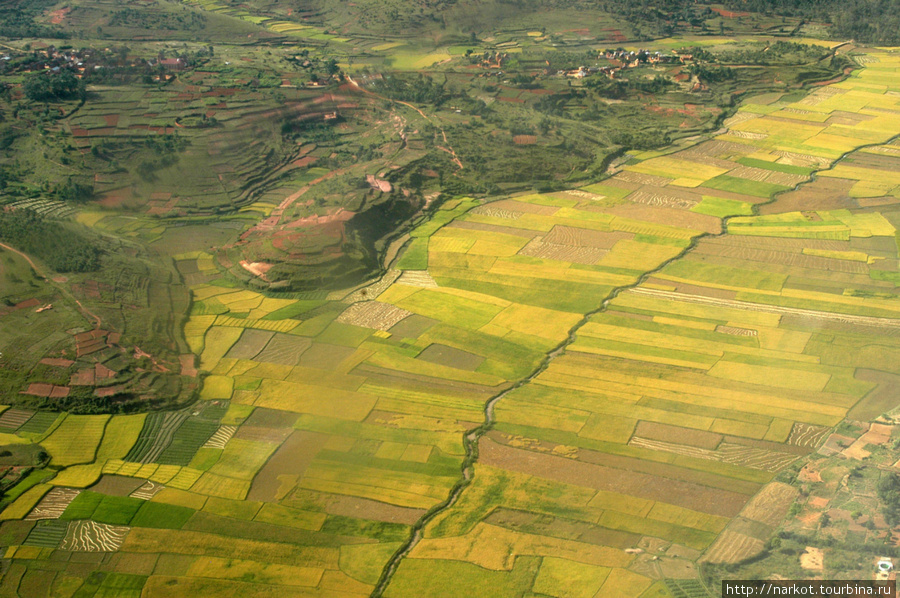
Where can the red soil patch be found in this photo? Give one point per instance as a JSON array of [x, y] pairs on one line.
[[57, 16], [525, 139], [38, 389], [109, 391], [303, 162], [83, 377], [729, 14], [818, 502], [187, 365], [57, 362], [103, 373], [115, 199], [59, 392], [111, 119]]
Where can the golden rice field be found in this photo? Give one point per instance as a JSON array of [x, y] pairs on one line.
[[662, 366]]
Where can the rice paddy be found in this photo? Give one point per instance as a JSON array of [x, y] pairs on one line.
[[326, 428]]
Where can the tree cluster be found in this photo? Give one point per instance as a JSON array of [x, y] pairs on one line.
[[53, 87], [62, 248]]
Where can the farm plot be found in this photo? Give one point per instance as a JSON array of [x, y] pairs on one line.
[[53, 504], [76, 439], [155, 436], [47, 534], [13, 419], [39, 423], [147, 490], [221, 437], [373, 314], [250, 344], [90, 536], [186, 441], [284, 349]]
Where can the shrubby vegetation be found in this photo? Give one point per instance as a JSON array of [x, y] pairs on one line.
[[61, 86], [61, 247]]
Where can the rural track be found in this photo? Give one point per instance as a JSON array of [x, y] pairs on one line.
[[472, 437], [449, 149], [84, 311]]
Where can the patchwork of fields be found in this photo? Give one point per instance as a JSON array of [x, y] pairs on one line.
[[662, 344]]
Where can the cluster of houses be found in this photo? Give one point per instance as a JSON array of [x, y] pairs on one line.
[[52, 59], [625, 59]]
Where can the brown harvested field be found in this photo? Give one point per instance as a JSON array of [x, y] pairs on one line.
[[667, 433], [250, 344], [147, 490], [869, 202], [494, 228], [450, 356], [581, 237], [89, 536], [363, 508], [263, 417], [874, 161], [53, 504], [719, 149], [546, 525], [880, 399], [521, 206], [775, 243], [771, 505], [886, 246], [221, 437], [286, 466], [767, 445], [495, 212], [734, 331], [325, 356], [524, 139], [750, 173], [824, 193], [749, 527], [38, 389], [115, 485], [732, 547], [284, 349], [852, 118], [563, 253], [57, 362], [261, 434], [416, 278], [783, 258], [692, 289], [413, 326], [669, 216], [735, 454], [373, 314], [627, 176], [599, 477], [653, 196], [431, 385], [786, 179], [752, 199]]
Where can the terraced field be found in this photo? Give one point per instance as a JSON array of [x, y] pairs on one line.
[[566, 394]]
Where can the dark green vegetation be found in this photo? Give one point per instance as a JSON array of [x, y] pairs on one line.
[[63, 248]]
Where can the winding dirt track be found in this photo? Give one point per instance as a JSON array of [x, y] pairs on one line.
[[84, 311], [448, 149]]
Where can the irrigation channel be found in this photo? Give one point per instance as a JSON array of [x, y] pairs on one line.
[[473, 436]]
